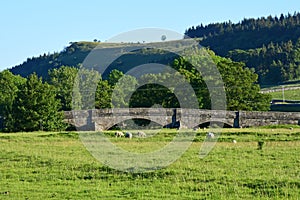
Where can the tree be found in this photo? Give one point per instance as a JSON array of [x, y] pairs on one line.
[[156, 91], [247, 34], [84, 90], [36, 108], [63, 80], [122, 88], [274, 64], [103, 95], [74, 88], [9, 86], [242, 91], [114, 77]]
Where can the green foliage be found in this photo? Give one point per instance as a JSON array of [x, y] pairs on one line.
[[103, 95], [71, 89], [114, 76], [36, 108], [242, 92], [194, 77], [84, 90], [260, 144], [268, 45], [247, 34], [154, 91], [241, 89], [120, 90], [274, 63], [9, 86], [123, 86], [63, 80]]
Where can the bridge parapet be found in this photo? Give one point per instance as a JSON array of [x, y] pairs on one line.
[[187, 118], [257, 118]]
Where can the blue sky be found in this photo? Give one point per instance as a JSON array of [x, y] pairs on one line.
[[33, 27]]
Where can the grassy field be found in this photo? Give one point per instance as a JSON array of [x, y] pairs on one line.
[[43, 165], [288, 95], [291, 92]]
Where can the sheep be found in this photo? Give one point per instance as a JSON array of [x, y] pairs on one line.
[[128, 135], [210, 135], [234, 141], [141, 134], [119, 134]]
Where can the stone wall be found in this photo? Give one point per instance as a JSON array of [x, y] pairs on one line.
[[188, 118], [254, 118]]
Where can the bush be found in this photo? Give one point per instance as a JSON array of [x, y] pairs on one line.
[[260, 144]]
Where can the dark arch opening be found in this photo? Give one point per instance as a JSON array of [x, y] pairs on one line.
[[136, 124], [214, 124]]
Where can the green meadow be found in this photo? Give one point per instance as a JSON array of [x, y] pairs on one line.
[[56, 165], [288, 92], [287, 95]]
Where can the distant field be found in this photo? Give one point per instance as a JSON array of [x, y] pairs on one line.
[[57, 166], [288, 92]]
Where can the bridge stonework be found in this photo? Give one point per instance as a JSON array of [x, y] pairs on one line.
[[103, 119], [254, 118]]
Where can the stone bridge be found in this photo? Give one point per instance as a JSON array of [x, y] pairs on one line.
[[103, 119]]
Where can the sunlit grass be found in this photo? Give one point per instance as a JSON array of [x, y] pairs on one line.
[[57, 166], [287, 95]]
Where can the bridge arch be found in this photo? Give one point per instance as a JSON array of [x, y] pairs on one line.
[[136, 123], [105, 124], [221, 124]]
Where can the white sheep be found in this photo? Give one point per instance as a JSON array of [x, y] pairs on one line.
[[210, 135], [119, 134], [234, 141], [141, 134]]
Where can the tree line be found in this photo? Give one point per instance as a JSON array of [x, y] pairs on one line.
[[275, 63], [30, 104], [268, 45], [247, 34]]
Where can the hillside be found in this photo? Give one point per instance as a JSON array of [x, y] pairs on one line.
[[274, 63], [268, 45], [76, 52], [72, 55], [247, 34]]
